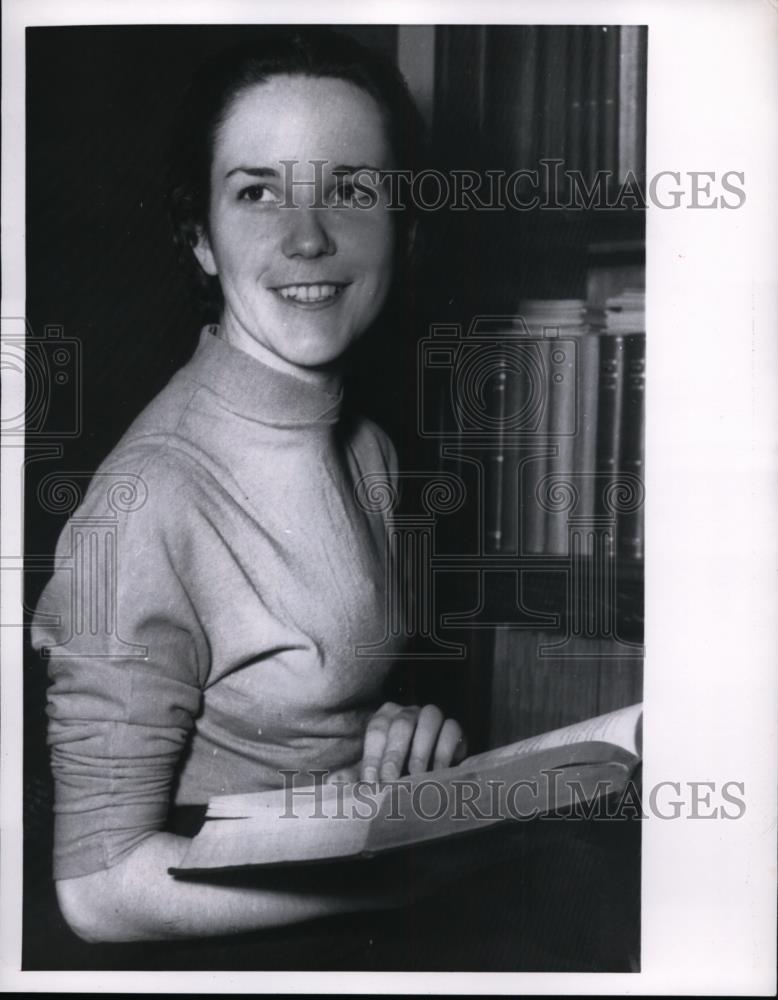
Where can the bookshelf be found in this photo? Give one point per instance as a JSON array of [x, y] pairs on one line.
[[552, 613]]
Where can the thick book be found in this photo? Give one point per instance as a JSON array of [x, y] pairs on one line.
[[585, 763], [631, 537], [535, 457], [494, 459], [576, 99], [609, 135], [610, 403], [526, 135], [585, 447], [563, 388], [553, 102], [593, 90], [632, 102], [562, 494], [550, 482]]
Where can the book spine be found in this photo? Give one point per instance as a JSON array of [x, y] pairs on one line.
[[554, 101], [585, 448], [576, 99], [514, 449], [631, 535], [494, 462], [526, 138], [511, 502], [534, 463], [632, 102], [562, 415], [592, 116], [609, 150], [641, 104], [609, 408]]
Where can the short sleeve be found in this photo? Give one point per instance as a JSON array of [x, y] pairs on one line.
[[126, 664]]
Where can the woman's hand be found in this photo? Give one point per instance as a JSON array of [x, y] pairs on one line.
[[403, 739]]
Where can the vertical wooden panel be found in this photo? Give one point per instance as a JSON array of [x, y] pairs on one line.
[[533, 693]]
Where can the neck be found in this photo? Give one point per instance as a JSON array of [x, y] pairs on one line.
[[328, 378]]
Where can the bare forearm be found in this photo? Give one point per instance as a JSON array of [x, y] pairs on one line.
[[137, 900]]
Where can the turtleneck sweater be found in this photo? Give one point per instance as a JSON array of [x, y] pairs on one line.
[[243, 575]]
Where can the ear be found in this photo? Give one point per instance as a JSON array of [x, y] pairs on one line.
[[201, 248]]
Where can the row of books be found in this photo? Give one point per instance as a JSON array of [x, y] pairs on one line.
[[566, 406], [577, 94]]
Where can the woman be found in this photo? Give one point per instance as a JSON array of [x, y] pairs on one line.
[[246, 574]]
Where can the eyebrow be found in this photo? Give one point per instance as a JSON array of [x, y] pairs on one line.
[[342, 168], [346, 168], [252, 171]]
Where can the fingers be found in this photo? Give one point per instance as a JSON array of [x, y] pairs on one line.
[[422, 737], [428, 725], [398, 743], [449, 740], [375, 740], [461, 751]]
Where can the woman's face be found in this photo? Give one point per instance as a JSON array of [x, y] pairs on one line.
[[303, 280]]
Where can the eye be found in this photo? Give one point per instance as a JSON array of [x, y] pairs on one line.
[[342, 192], [258, 193], [347, 192]]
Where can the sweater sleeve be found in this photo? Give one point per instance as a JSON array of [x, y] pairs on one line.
[[126, 665]]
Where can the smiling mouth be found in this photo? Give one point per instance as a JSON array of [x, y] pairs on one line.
[[311, 294]]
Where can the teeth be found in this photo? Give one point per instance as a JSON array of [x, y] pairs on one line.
[[309, 293]]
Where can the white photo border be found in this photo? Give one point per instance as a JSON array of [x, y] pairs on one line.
[[709, 887]]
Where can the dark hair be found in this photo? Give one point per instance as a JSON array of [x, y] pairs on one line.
[[305, 51]]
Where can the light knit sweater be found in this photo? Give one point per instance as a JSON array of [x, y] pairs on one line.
[[246, 576]]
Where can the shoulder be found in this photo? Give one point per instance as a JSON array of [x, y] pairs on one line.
[[140, 488], [160, 420], [155, 466]]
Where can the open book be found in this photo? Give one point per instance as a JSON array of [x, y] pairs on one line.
[[552, 772]]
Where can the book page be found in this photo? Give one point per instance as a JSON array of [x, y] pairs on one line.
[[524, 786], [622, 728], [329, 801], [333, 822]]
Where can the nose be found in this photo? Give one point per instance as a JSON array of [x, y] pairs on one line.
[[307, 234]]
